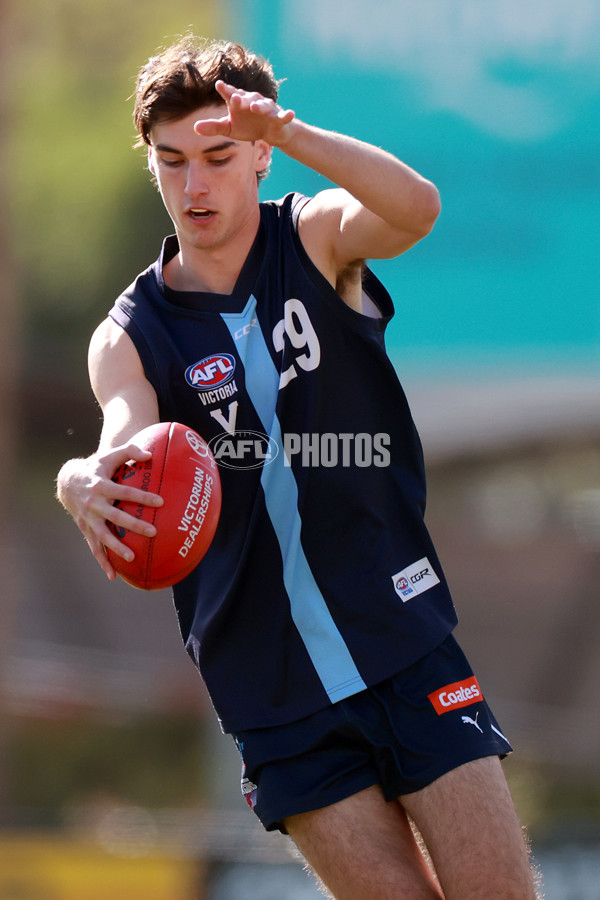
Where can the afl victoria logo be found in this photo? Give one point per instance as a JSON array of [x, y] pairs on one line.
[[211, 372]]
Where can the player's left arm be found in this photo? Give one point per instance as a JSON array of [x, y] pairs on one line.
[[381, 206]]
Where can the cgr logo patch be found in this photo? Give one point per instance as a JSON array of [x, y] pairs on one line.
[[456, 695], [415, 579], [211, 372]]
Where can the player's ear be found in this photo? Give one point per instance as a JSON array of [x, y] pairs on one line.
[[263, 155], [151, 162]]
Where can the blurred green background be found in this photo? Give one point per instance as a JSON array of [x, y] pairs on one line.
[[107, 738]]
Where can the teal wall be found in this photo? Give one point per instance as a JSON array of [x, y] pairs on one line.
[[498, 102]]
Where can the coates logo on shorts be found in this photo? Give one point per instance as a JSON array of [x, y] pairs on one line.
[[456, 695], [212, 372], [243, 449]]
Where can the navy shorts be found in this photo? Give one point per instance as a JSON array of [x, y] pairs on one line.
[[401, 734]]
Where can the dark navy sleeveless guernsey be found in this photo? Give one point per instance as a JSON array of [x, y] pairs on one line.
[[322, 578]]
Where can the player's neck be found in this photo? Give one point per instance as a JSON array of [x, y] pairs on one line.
[[213, 269]]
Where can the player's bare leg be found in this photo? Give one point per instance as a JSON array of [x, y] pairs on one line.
[[364, 849], [471, 830]]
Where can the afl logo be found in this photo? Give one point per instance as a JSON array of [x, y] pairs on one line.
[[403, 588], [211, 372]]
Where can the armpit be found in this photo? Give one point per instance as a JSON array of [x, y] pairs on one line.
[[349, 285]]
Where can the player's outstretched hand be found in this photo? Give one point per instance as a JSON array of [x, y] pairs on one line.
[[86, 490], [250, 117]]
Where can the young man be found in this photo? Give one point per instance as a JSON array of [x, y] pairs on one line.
[[320, 618]]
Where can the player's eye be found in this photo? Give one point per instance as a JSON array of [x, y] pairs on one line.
[[171, 163]]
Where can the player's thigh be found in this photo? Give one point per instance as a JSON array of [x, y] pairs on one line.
[[363, 848], [470, 827]]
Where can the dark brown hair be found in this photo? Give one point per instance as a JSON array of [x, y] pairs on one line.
[[182, 79]]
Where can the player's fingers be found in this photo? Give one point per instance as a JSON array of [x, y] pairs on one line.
[[93, 516], [224, 90], [126, 494], [127, 522], [236, 96], [101, 558], [286, 116], [116, 457], [96, 529], [212, 127], [262, 106], [97, 504], [110, 541]]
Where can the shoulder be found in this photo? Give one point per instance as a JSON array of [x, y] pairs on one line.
[[109, 338], [325, 207], [285, 210], [147, 285], [112, 354], [320, 222]]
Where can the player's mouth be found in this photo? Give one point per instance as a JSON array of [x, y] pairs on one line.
[[199, 213]]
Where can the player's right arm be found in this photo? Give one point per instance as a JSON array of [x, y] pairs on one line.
[[128, 402]]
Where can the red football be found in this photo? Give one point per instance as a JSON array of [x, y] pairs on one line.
[[183, 471]]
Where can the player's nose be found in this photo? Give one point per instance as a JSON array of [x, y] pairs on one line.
[[196, 184]]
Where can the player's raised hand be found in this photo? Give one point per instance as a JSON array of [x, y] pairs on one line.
[[86, 490], [250, 117]]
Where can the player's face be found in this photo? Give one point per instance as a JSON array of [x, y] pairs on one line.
[[208, 184]]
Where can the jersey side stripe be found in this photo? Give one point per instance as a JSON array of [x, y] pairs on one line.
[[325, 645]]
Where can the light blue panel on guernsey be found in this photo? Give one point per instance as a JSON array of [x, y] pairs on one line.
[[325, 645]]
